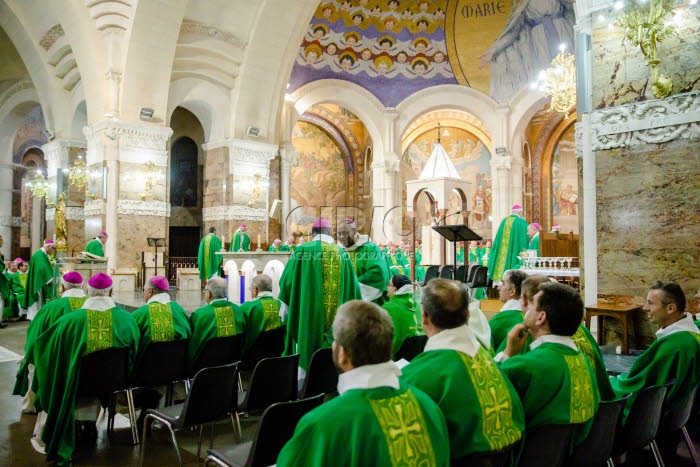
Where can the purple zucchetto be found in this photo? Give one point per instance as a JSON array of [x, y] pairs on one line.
[[537, 226], [102, 234], [160, 282], [100, 281], [516, 207], [19, 261], [73, 277], [322, 223], [48, 242]]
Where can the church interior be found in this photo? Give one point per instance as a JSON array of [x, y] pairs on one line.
[[154, 120]]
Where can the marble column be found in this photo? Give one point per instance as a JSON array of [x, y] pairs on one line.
[[500, 167], [288, 159], [6, 218]]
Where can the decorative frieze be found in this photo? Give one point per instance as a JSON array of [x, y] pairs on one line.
[[94, 207], [56, 155], [14, 89], [137, 143], [131, 207], [250, 158], [578, 138], [647, 122], [218, 213], [192, 27], [51, 36]]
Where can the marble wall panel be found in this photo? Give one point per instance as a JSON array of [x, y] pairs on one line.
[[216, 177], [75, 233], [185, 217], [620, 74], [133, 234], [274, 227]]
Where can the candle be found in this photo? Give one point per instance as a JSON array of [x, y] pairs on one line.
[[258, 240], [222, 243]]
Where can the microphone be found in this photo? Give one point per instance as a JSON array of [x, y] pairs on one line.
[[72, 253], [448, 215]]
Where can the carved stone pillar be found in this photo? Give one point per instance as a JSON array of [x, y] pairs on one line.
[[500, 167], [7, 221], [288, 160], [386, 217]]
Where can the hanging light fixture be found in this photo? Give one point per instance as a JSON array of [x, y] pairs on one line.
[[79, 176], [39, 186], [559, 82]]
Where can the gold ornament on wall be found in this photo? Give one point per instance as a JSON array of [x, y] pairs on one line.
[[559, 82], [151, 175], [645, 26], [79, 175], [39, 186], [257, 190]]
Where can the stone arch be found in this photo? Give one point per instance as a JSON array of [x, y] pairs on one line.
[[209, 103], [79, 122], [524, 106], [545, 152]]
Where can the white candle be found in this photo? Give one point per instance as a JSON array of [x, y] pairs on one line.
[[258, 240]]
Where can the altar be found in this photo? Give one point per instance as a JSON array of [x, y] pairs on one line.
[[259, 258], [247, 264], [87, 267]]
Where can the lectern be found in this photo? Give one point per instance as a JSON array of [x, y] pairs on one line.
[[456, 233], [156, 242]]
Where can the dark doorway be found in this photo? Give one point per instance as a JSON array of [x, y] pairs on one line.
[[184, 241]]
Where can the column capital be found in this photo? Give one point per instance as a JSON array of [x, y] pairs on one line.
[[138, 143], [501, 163], [56, 154], [288, 154], [249, 157]]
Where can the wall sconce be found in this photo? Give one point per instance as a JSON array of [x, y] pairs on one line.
[[645, 26], [39, 186], [151, 175], [559, 82]]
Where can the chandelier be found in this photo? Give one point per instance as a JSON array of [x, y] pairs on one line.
[[39, 186], [78, 175], [559, 82]]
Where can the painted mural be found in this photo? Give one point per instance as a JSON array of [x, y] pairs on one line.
[[392, 48], [319, 180], [565, 184], [29, 134], [472, 160]]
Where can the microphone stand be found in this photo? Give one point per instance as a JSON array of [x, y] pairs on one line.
[[72, 253]]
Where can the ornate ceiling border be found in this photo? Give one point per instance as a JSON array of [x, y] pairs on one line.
[[132, 207]]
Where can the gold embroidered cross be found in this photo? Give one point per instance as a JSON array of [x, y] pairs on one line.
[[404, 431], [496, 408]]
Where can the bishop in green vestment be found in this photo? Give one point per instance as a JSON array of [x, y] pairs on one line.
[[14, 292], [376, 419], [318, 278], [57, 354], [240, 241], [397, 261], [403, 311], [554, 379], [510, 240], [368, 260], [96, 245], [160, 319], [72, 298], [219, 318], [207, 260], [455, 368], [288, 245], [420, 269], [40, 286], [276, 245], [262, 313], [674, 355], [533, 231]]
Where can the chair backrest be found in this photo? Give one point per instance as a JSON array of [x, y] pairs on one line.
[[322, 377], [103, 372], [277, 427], [213, 395], [677, 418], [472, 270], [643, 419], [273, 380], [411, 347], [268, 344], [431, 273], [546, 445], [446, 271], [461, 274], [219, 351], [501, 458], [598, 445], [480, 278], [162, 363]]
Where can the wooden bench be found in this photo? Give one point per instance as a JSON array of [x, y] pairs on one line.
[[623, 311]]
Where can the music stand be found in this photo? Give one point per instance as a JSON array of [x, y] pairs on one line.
[[156, 242], [454, 234]]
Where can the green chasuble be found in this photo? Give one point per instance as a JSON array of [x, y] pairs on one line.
[[207, 259], [697, 323], [510, 240], [587, 344], [39, 279], [501, 324], [493, 418], [285, 247], [398, 264], [371, 269], [676, 356], [240, 241], [15, 293], [420, 270], [220, 318], [380, 426], [402, 309], [94, 246], [5, 289], [159, 322], [318, 278], [460, 255], [57, 355], [272, 248], [535, 244], [262, 314], [47, 316], [556, 386], [473, 255]]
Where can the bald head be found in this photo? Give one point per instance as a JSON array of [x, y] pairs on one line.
[[446, 303]]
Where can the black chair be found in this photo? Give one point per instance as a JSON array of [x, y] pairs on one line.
[[276, 428], [461, 274], [480, 278], [268, 344], [446, 271], [322, 377], [274, 380], [596, 448], [211, 397], [103, 373], [162, 364], [431, 272], [642, 423], [676, 420], [219, 351], [472, 270], [547, 445], [411, 347], [501, 458]]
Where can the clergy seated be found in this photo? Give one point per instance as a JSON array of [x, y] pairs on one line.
[[262, 313], [376, 420], [482, 409], [72, 298], [674, 355], [402, 309], [219, 318], [369, 261], [554, 379], [511, 312], [57, 354]]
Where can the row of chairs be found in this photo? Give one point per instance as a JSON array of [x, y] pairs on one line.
[[474, 276]]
